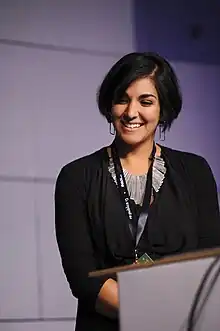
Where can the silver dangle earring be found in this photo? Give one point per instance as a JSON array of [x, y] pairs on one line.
[[162, 135], [111, 129]]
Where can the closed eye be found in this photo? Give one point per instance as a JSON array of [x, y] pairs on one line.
[[146, 103], [121, 101]]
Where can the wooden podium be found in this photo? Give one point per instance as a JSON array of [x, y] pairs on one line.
[[159, 296]]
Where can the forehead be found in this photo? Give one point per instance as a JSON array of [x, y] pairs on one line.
[[142, 86]]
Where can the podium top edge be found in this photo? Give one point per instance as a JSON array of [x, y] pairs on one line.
[[184, 257]]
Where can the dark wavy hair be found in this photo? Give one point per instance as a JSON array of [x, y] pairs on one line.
[[134, 66]]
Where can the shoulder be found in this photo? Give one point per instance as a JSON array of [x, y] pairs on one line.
[[191, 160], [83, 166], [87, 161], [196, 166]]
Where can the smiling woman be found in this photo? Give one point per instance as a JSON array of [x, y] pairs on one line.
[[136, 114], [134, 200]]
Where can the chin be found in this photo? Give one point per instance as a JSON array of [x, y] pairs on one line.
[[132, 141]]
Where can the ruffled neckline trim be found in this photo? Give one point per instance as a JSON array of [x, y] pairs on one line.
[[159, 172]]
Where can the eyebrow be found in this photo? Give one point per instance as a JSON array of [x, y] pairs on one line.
[[147, 95], [143, 96]]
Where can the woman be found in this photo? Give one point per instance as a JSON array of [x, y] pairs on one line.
[[134, 198]]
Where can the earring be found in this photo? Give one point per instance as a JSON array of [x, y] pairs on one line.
[[111, 129], [162, 135]]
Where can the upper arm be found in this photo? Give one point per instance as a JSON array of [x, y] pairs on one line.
[[207, 204], [73, 236]]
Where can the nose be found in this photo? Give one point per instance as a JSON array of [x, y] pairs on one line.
[[131, 111]]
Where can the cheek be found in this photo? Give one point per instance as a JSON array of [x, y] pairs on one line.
[[151, 115], [117, 112]]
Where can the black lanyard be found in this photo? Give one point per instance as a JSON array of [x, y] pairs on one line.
[[136, 231]]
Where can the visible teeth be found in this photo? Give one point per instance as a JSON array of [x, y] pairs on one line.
[[132, 126]]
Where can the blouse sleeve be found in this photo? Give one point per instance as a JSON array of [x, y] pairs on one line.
[[73, 235], [207, 204]]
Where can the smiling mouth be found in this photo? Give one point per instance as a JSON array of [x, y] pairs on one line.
[[132, 125]]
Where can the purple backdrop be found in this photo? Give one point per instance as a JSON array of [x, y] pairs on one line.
[[181, 30], [187, 34]]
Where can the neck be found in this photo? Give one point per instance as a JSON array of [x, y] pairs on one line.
[[135, 159], [139, 151]]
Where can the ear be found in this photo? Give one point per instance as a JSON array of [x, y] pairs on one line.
[[162, 119], [162, 126], [109, 117]]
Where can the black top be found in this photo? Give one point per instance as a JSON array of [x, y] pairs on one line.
[[92, 226]]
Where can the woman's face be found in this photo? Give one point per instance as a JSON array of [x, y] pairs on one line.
[[136, 115]]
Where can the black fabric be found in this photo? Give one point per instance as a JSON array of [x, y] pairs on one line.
[[92, 226]]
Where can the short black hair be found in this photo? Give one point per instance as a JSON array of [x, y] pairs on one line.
[[134, 66]]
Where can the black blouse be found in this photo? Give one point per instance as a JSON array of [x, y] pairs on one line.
[[92, 226]]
